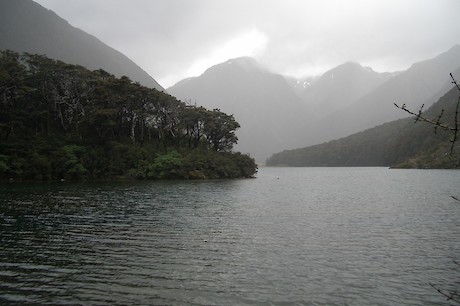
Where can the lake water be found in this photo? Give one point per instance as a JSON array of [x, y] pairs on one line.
[[292, 236]]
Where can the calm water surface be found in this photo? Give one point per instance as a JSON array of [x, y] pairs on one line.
[[293, 236]]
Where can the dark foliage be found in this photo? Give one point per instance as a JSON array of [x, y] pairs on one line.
[[61, 121]]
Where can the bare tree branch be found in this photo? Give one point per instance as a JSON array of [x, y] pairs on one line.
[[454, 138], [454, 81], [437, 123], [451, 295], [422, 118]]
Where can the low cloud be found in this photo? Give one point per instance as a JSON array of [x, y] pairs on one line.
[[174, 39]]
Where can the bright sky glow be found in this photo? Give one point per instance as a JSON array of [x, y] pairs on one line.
[[175, 39], [249, 43]]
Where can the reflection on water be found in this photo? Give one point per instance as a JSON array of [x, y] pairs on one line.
[[291, 236]]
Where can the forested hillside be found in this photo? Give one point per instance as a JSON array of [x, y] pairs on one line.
[[62, 121], [399, 143]]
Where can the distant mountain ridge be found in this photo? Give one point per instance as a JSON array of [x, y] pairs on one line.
[[423, 83], [26, 26], [399, 143], [346, 99], [341, 86], [269, 111]]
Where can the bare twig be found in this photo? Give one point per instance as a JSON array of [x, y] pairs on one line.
[[422, 118], [419, 113], [454, 137], [454, 81], [437, 123], [451, 295]]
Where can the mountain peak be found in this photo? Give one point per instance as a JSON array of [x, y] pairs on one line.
[[244, 88], [244, 61], [341, 86], [352, 64], [236, 66], [349, 67], [347, 72]]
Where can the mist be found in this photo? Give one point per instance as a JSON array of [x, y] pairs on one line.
[[178, 152], [173, 40]]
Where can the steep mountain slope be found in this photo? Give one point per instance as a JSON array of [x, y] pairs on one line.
[[422, 83], [25, 26], [399, 142], [271, 114], [341, 86]]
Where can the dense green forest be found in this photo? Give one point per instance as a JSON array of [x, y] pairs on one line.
[[61, 121], [398, 143]]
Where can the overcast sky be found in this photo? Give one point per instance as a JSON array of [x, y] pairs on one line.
[[175, 39]]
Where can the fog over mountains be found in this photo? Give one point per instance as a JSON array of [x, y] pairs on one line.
[[423, 83], [399, 143], [269, 111], [277, 113], [341, 86], [26, 26]]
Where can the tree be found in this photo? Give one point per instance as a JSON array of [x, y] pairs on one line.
[[194, 120], [13, 89], [63, 121], [220, 131]]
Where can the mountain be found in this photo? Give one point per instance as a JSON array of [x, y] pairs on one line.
[[25, 26], [422, 83], [398, 143], [269, 111], [341, 86], [346, 99]]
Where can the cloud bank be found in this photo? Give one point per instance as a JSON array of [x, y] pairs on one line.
[[175, 39]]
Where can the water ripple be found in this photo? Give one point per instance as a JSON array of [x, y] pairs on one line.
[[290, 237]]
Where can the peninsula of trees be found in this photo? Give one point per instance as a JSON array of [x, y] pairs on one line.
[[61, 121]]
